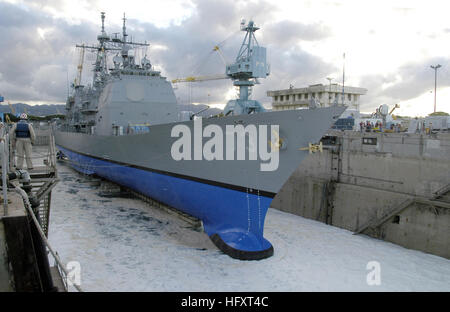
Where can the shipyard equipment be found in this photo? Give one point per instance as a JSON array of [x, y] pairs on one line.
[[249, 65]]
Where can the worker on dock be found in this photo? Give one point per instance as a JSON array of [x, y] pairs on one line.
[[23, 135]]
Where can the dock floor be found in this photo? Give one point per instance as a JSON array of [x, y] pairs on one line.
[[123, 244]]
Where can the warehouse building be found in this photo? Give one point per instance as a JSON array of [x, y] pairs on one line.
[[321, 95]]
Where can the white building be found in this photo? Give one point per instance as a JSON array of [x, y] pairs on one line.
[[324, 95]]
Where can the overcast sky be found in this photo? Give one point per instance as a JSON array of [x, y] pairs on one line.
[[389, 46]]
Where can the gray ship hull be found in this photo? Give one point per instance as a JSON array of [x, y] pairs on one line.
[[231, 197]]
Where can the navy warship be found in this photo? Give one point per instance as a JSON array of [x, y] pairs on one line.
[[224, 170]]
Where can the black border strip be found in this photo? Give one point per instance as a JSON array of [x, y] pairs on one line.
[[181, 176]]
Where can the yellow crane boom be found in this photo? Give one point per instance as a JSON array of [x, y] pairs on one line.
[[392, 110], [205, 78], [13, 111], [199, 78], [217, 49]]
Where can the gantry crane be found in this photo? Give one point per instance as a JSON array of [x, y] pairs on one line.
[[249, 65]]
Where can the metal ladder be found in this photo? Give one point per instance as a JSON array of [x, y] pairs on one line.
[[376, 222]]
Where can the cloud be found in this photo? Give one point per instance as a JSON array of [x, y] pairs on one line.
[[33, 66], [190, 49], [408, 82], [287, 33], [38, 48]]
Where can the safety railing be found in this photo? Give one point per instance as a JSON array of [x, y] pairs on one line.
[[60, 265]]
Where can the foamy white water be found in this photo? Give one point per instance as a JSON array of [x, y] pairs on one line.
[[123, 244]]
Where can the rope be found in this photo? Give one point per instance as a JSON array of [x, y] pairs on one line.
[[41, 232]]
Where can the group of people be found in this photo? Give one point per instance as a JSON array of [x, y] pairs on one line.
[[369, 126], [22, 137], [422, 128]]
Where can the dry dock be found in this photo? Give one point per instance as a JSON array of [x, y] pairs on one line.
[[392, 186], [125, 244]]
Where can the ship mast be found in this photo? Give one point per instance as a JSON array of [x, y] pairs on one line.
[[105, 44], [124, 29]]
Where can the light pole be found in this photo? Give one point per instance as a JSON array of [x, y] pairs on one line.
[[436, 67], [329, 91]]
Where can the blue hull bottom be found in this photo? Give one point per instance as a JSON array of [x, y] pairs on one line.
[[233, 219]]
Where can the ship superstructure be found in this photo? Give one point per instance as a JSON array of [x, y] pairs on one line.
[[117, 101]]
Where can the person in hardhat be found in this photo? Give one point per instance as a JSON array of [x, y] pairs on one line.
[[24, 136]]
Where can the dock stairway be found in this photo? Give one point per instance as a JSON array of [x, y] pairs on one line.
[[25, 219], [44, 176], [438, 198]]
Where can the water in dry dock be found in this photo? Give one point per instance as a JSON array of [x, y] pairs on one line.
[[123, 244]]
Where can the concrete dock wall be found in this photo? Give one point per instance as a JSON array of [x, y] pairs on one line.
[[5, 284], [365, 176]]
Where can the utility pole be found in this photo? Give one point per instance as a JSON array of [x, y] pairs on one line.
[[343, 80], [329, 91], [436, 67]]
